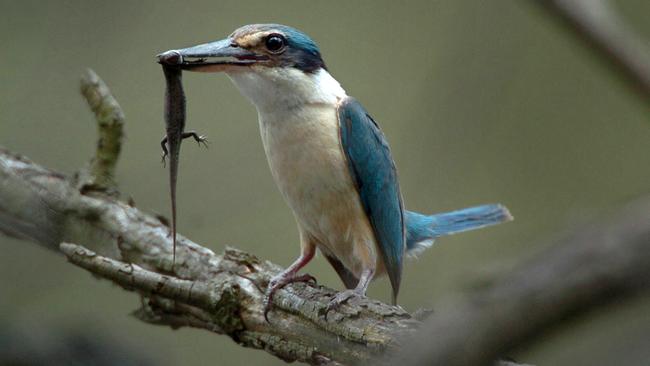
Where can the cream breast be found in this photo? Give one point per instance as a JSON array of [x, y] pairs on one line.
[[310, 169], [300, 131]]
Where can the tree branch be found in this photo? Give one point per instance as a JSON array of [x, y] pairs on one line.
[[100, 173], [219, 293], [217, 304], [601, 27]]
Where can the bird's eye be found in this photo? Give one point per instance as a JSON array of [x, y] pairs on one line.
[[275, 43]]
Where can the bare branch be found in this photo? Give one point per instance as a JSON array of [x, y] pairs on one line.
[[100, 174], [230, 302], [219, 293], [133, 277], [600, 26]]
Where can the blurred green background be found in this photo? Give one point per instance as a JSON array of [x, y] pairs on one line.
[[481, 102]]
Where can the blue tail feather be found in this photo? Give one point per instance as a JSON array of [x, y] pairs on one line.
[[421, 230]]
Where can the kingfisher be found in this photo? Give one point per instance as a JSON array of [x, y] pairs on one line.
[[329, 159]]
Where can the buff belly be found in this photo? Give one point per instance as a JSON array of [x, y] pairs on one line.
[[310, 169]]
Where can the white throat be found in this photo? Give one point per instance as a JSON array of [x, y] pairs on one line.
[[273, 89]]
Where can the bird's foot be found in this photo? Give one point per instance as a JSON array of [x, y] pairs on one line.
[[342, 297], [279, 282]]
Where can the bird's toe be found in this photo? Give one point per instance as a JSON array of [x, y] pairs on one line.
[[279, 282], [341, 298]]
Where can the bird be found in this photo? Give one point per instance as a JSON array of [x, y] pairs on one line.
[[330, 160]]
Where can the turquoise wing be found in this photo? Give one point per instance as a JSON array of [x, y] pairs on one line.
[[373, 171]]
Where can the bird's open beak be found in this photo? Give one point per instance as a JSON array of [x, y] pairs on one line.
[[217, 56]]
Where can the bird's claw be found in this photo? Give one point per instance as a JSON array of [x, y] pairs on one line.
[[305, 278], [279, 282]]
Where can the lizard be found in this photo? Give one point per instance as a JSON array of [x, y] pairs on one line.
[[174, 113]]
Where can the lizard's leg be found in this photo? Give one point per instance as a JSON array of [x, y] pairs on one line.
[[200, 139], [163, 144]]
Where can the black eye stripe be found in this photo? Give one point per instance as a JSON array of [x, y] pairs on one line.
[[275, 42]]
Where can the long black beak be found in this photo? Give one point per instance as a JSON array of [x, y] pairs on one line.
[[211, 57]]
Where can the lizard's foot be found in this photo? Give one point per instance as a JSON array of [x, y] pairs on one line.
[[279, 282], [200, 139]]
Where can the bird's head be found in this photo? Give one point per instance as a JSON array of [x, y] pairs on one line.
[[270, 63]]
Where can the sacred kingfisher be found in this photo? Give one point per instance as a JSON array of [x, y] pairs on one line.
[[329, 159]]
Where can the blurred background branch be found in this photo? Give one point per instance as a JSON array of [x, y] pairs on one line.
[[597, 264], [600, 26], [592, 266]]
